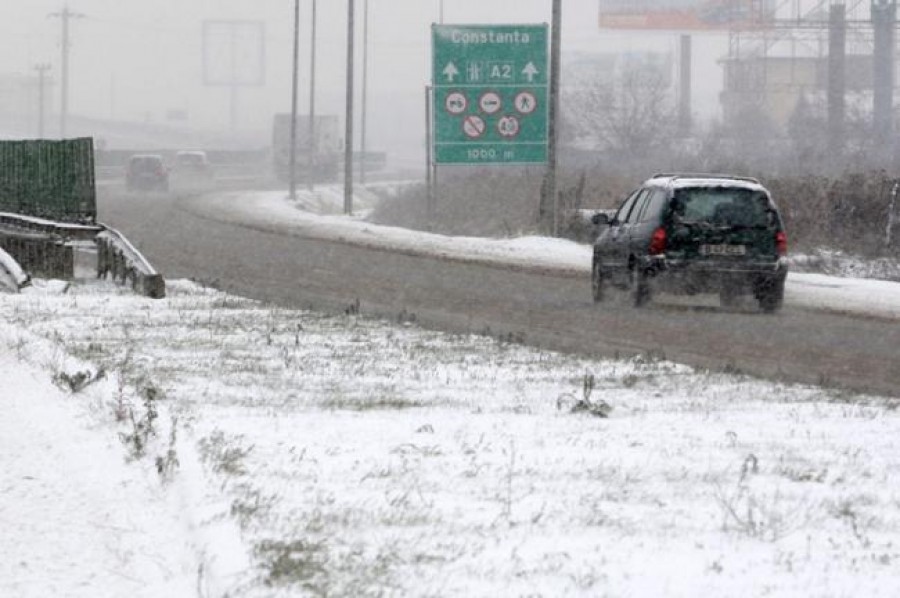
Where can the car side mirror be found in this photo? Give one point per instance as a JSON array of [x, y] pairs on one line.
[[600, 218]]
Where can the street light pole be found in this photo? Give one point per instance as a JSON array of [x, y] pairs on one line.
[[365, 89], [348, 133], [549, 196], [294, 76], [312, 141]]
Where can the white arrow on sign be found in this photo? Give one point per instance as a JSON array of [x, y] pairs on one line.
[[450, 71], [530, 71]]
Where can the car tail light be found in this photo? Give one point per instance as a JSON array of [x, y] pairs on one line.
[[658, 241], [781, 243]]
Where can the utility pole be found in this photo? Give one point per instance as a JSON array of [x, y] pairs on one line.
[[64, 17], [294, 76], [884, 19], [549, 199], [365, 89], [42, 102], [348, 133], [684, 84], [312, 142], [837, 79]]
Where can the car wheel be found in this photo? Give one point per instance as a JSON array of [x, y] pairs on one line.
[[597, 282], [770, 295], [640, 286]]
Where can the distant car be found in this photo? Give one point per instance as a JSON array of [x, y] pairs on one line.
[[192, 170], [146, 172], [193, 163], [687, 234]]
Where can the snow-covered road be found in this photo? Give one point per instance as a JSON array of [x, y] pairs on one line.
[[313, 216]]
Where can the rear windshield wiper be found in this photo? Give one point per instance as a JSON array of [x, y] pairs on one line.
[[702, 224], [748, 227]]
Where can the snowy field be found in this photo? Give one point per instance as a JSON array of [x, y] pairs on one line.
[[208, 445]]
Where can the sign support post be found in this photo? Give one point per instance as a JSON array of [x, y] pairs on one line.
[[429, 181]]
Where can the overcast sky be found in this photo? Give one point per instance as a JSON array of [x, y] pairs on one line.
[[141, 60]]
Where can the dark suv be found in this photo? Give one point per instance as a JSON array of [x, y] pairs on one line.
[[694, 233], [146, 172]]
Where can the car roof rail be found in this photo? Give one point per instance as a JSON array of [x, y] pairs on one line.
[[703, 175]]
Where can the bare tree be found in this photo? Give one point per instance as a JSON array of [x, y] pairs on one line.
[[631, 114]]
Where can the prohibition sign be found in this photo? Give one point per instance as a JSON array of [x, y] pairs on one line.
[[490, 102], [473, 126], [525, 102], [456, 103], [508, 126]]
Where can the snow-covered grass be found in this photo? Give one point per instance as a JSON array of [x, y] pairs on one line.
[[337, 455], [838, 263]]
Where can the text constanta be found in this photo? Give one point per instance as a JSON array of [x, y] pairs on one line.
[[490, 37]]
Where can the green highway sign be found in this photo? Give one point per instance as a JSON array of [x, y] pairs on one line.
[[490, 96]]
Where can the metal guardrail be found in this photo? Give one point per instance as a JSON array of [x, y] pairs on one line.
[[18, 224], [119, 258], [12, 276], [47, 248]]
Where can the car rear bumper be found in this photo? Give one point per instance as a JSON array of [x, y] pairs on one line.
[[724, 265], [712, 275]]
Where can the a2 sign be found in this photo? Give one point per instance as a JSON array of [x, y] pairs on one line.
[[490, 93]]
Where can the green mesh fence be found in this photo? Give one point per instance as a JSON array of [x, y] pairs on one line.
[[49, 179]]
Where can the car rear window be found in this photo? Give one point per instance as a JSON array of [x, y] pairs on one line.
[[722, 206], [145, 163]]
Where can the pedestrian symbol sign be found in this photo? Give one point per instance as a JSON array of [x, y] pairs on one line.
[[525, 103], [490, 93]]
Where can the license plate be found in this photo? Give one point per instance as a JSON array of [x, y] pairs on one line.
[[723, 250]]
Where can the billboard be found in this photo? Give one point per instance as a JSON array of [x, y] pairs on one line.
[[686, 15]]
